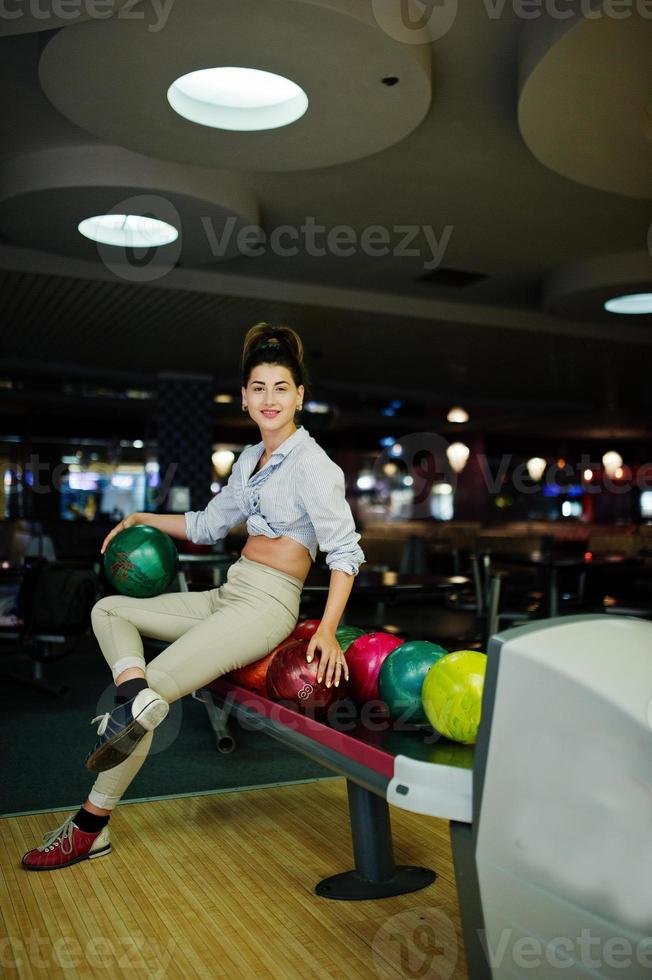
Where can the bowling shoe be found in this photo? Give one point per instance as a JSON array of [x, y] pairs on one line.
[[66, 845], [122, 729]]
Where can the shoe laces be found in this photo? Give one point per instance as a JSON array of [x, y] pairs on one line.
[[103, 720], [62, 835]]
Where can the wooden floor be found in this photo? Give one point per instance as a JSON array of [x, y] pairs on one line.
[[222, 886]]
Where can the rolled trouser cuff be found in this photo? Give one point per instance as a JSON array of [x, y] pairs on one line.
[[125, 663], [103, 800]]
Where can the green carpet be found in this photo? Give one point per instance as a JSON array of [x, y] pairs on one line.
[[45, 741]]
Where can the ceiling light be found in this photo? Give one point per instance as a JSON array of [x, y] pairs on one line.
[[457, 454], [241, 99], [611, 462], [127, 230], [222, 460], [632, 303], [458, 414], [536, 467], [366, 481]]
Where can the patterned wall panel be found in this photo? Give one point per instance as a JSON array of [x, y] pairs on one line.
[[185, 438]]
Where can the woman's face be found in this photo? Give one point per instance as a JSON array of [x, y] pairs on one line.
[[272, 397]]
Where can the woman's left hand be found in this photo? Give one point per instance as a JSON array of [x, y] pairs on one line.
[[332, 663]]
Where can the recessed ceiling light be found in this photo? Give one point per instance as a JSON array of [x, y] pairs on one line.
[[243, 99], [633, 303], [128, 230]]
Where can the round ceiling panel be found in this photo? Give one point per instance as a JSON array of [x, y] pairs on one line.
[[138, 215], [356, 89]]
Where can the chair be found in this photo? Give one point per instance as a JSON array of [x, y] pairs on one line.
[[54, 602]]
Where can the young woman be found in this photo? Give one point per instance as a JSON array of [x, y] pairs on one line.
[[292, 496]]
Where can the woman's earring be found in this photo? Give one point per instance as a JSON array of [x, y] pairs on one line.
[[244, 408]]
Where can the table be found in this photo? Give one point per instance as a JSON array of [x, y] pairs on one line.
[[386, 586], [551, 566]]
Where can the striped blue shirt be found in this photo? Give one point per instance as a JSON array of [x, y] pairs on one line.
[[298, 493]]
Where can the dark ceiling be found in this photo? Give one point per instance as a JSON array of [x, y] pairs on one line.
[[475, 328]]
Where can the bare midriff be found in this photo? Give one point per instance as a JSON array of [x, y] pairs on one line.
[[283, 553]]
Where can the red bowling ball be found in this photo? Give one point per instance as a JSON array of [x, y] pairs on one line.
[[365, 657], [305, 629], [291, 678], [253, 676]]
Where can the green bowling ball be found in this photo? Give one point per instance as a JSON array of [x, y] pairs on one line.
[[452, 694], [401, 679], [141, 561], [345, 635]]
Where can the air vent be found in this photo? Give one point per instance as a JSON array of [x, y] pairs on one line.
[[452, 278]]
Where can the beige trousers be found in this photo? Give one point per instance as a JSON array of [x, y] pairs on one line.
[[210, 633]]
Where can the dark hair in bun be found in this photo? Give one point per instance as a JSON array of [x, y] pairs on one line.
[[266, 344]]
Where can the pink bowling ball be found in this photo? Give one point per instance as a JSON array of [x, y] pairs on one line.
[[365, 657]]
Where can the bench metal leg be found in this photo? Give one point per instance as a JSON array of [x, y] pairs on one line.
[[218, 718], [375, 874]]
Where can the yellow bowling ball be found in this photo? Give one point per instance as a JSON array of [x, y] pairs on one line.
[[452, 694]]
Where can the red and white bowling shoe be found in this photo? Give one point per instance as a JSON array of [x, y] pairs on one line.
[[66, 845]]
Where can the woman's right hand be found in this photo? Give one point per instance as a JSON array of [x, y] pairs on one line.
[[128, 521]]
